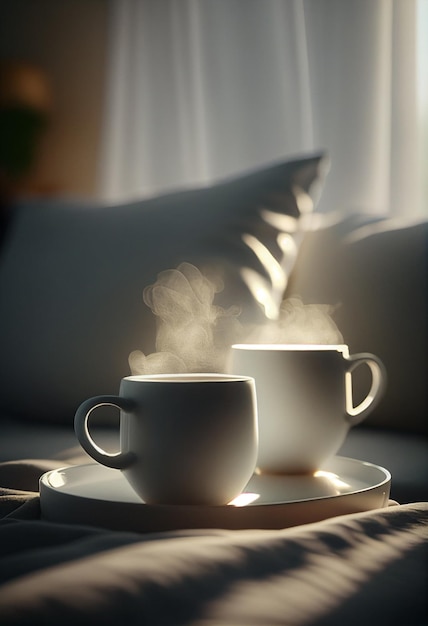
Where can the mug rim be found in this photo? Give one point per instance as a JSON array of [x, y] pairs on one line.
[[188, 377], [297, 347]]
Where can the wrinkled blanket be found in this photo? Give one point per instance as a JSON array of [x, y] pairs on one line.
[[365, 568]]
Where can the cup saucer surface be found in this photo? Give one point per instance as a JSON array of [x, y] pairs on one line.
[[100, 496]]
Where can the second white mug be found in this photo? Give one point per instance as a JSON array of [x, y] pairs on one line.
[[305, 403]]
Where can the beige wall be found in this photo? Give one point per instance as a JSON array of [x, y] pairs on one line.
[[67, 38]]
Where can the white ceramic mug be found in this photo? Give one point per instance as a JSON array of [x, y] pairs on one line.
[[305, 403], [184, 438]]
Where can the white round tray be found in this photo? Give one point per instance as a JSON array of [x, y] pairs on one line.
[[96, 495]]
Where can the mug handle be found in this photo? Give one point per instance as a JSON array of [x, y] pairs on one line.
[[356, 414], [118, 460]]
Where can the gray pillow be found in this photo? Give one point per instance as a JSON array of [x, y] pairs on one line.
[[72, 277], [377, 273]]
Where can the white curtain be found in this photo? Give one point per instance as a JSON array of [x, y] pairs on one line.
[[201, 89]]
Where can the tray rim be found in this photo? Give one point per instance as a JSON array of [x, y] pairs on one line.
[[43, 485]]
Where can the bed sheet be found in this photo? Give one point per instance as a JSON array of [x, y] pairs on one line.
[[366, 568]]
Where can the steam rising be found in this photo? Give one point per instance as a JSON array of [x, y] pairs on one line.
[[299, 323], [195, 335]]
